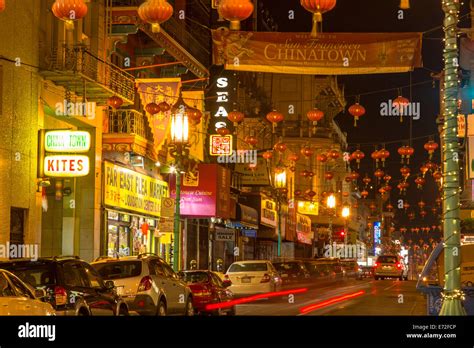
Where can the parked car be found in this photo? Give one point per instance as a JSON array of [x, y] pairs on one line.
[[293, 271], [431, 281], [17, 298], [350, 268], [390, 266], [148, 284], [253, 277], [330, 268], [72, 286], [207, 288], [365, 272]]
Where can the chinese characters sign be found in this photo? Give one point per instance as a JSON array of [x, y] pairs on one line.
[[220, 145]]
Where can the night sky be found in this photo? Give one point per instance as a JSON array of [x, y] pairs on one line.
[[382, 16]]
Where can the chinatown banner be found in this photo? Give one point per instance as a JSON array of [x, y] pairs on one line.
[[197, 133], [326, 54], [132, 191], [157, 91]]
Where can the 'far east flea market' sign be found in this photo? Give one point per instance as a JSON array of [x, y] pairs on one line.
[[326, 54]]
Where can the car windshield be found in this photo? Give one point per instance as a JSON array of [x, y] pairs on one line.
[[194, 277], [119, 269], [387, 259], [248, 267], [36, 274]]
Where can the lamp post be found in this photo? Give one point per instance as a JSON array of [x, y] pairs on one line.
[[346, 212], [280, 187], [179, 150], [330, 204], [452, 295]]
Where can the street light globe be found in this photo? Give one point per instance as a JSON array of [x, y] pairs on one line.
[[346, 212], [331, 201], [280, 179]]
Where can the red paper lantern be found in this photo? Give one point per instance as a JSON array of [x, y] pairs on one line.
[[267, 155], [383, 154], [423, 213], [400, 103], [275, 117], [144, 228], [379, 173], [366, 180], [354, 175], [164, 106], [376, 157], [421, 204], [236, 117], [280, 147], [328, 175], [310, 193], [424, 169], [2, 5], [348, 179], [314, 116], [251, 140], [307, 151], [431, 147], [114, 102], [235, 11], [223, 131], [298, 193], [405, 171], [358, 156], [364, 194], [304, 173], [406, 205], [437, 175], [294, 157], [152, 108], [356, 110], [155, 12], [334, 154], [372, 206], [69, 11], [317, 8], [387, 178], [420, 182], [389, 207], [322, 158]]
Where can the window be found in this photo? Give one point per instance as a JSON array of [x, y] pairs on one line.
[[195, 277], [216, 280], [156, 268], [248, 267], [94, 278], [387, 259], [74, 275], [20, 288], [17, 225], [6, 289], [169, 271], [119, 270]]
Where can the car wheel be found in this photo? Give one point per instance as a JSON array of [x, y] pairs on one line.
[[123, 311], [161, 310], [189, 311]]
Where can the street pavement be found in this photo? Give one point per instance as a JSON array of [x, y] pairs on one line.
[[346, 297]]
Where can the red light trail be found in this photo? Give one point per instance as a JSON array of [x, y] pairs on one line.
[[313, 307], [254, 298]]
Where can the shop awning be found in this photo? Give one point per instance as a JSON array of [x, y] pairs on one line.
[[247, 217]]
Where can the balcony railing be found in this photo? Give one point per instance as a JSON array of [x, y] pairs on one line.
[[128, 121], [76, 60]]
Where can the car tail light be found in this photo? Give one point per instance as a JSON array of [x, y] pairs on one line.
[[376, 264], [60, 296], [200, 290], [266, 278], [145, 284], [399, 265]]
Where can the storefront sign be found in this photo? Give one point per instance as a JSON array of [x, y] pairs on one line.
[[224, 235], [167, 207], [328, 54], [303, 229], [197, 134], [70, 166], [220, 145], [470, 125], [129, 190], [210, 197], [268, 214], [166, 225], [67, 141], [308, 208], [256, 177], [461, 126]]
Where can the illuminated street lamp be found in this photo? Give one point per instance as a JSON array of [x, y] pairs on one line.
[[280, 186], [330, 204], [179, 150], [346, 212]]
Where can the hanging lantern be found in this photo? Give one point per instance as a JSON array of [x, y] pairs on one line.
[[334, 154], [431, 147], [347, 179], [58, 187], [251, 140], [400, 103], [389, 207], [310, 174], [423, 213], [409, 153], [322, 158], [403, 230], [310, 193], [293, 157], [376, 157], [275, 117], [280, 147], [437, 176], [356, 110], [411, 215], [304, 173], [379, 173], [387, 188], [328, 175], [2, 5], [372, 206], [164, 106], [402, 151], [345, 194], [155, 12], [223, 131], [358, 156], [366, 180], [236, 117], [267, 155], [370, 225], [69, 11], [114, 102], [404, 4], [317, 8], [421, 204], [406, 205], [403, 186], [355, 205], [382, 191], [431, 166], [438, 201], [235, 11], [195, 115], [152, 108], [297, 193], [383, 154], [433, 227], [434, 210], [387, 178], [293, 168], [307, 151], [364, 194], [424, 169], [354, 175], [314, 116], [405, 171], [420, 182]]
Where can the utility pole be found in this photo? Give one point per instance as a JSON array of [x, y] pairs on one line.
[[452, 295]]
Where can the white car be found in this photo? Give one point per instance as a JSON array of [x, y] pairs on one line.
[[147, 284], [253, 277], [17, 298]]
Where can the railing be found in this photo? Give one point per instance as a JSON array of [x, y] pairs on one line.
[[127, 121], [77, 59], [304, 129]]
